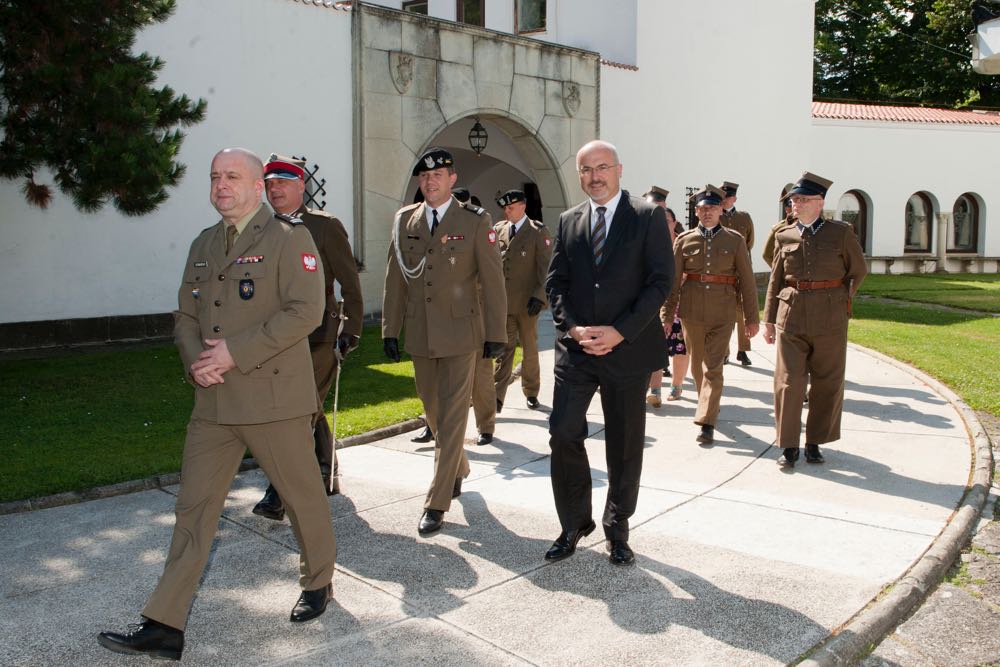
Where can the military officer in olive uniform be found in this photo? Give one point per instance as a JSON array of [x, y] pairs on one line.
[[252, 292], [789, 219], [741, 222], [441, 252], [713, 281], [340, 332], [526, 249], [818, 266]]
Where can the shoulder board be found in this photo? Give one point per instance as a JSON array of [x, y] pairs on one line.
[[839, 223], [319, 213], [687, 232], [472, 207], [536, 224], [289, 219], [408, 208]]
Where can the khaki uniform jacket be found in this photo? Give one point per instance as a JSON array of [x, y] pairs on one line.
[[338, 265], [712, 303], [440, 308], [832, 253], [739, 221], [265, 297], [525, 263], [769, 242]]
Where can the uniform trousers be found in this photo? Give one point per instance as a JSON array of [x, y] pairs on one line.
[[817, 362], [444, 385], [521, 328], [325, 372], [625, 430], [484, 396], [742, 340], [707, 345], [212, 455]]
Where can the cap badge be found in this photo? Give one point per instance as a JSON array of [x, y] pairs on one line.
[[429, 162]]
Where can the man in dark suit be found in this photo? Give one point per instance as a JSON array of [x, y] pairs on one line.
[[611, 271]]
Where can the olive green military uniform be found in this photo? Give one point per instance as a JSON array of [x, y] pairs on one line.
[[769, 242], [526, 256], [740, 221], [434, 297], [815, 274], [713, 281], [264, 298], [338, 266]]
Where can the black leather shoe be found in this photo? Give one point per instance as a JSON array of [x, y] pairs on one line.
[[484, 439], [430, 522], [533, 402], [621, 553], [707, 435], [666, 371], [270, 506], [743, 358], [311, 604], [148, 637], [425, 435], [788, 457], [457, 491], [499, 406], [565, 544], [813, 455]]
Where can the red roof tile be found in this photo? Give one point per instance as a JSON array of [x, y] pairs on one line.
[[903, 114]]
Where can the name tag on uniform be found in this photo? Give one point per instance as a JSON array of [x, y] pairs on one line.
[[250, 259], [200, 264]]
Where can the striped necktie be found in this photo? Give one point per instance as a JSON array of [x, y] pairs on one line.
[[599, 236]]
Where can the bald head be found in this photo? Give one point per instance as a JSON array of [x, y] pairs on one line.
[[253, 162], [237, 183], [597, 145], [600, 170]]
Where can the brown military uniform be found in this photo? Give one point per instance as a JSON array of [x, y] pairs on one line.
[[526, 258], [339, 266], [740, 221], [808, 300], [264, 298], [713, 280], [434, 296], [769, 242]]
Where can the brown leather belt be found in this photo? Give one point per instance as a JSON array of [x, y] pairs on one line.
[[711, 278], [815, 284]]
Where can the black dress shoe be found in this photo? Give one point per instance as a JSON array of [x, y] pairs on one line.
[[565, 544], [499, 406], [425, 435], [148, 637], [621, 553], [743, 358], [533, 402], [484, 439], [430, 522], [707, 435], [788, 457], [311, 604], [270, 506], [813, 455], [457, 491]]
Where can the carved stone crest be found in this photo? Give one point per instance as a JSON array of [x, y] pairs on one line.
[[401, 70], [571, 97]]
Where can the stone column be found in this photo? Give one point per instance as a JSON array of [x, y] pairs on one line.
[[943, 220]]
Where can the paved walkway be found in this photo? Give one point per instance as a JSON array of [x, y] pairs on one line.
[[739, 562]]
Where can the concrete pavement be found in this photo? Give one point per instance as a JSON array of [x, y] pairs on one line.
[[739, 562]]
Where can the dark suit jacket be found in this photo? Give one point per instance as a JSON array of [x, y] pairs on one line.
[[626, 292]]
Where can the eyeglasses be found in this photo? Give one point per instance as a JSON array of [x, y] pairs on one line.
[[802, 200], [599, 170]]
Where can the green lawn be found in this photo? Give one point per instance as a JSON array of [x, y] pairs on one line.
[[967, 290]]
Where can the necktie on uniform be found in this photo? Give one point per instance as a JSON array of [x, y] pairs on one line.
[[230, 237], [599, 235], [434, 220], [513, 230]]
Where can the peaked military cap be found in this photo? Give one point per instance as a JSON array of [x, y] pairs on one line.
[[708, 196], [286, 168], [657, 194], [730, 188], [511, 197], [810, 185], [433, 158]]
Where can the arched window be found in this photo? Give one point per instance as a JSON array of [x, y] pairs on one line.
[[919, 217], [964, 234], [853, 209]]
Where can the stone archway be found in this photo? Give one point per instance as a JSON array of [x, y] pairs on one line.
[[418, 78]]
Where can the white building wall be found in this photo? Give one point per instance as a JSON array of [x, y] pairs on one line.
[[248, 59]]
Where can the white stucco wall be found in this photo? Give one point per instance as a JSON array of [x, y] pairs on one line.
[[277, 77], [890, 161]]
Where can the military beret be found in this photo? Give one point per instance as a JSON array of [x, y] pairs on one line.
[[810, 185], [708, 196], [657, 194], [287, 168], [511, 197], [730, 188], [433, 158], [461, 194]]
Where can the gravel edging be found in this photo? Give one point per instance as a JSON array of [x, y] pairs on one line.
[[170, 479], [877, 620]]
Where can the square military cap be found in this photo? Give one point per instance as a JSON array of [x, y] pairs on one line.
[[657, 194], [810, 185], [511, 197], [730, 188], [708, 196], [286, 168], [433, 158]]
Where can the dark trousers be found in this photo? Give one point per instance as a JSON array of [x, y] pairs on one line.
[[325, 372], [622, 400]]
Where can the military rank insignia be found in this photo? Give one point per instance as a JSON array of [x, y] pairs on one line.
[[246, 289], [309, 262]]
